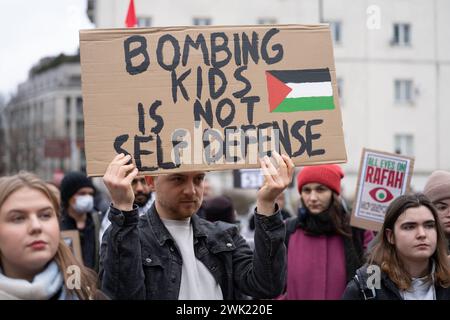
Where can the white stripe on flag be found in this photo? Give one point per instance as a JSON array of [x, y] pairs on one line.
[[310, 89]]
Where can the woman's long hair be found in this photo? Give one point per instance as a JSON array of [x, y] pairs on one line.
[[64, 256], [384, 254]]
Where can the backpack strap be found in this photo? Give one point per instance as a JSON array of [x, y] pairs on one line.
[[367, 293]]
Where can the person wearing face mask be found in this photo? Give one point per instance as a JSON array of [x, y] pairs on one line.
[[78, 213]]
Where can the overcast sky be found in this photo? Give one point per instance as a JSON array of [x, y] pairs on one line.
[[32, 29]]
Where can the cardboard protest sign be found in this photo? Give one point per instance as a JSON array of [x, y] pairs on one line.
[[382, 178], [72, 239], [209, 98]]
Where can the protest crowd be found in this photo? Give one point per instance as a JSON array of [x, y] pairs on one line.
[[159, 239], [155, 228]]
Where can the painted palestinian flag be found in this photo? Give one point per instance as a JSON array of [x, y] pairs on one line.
[[299, 90]]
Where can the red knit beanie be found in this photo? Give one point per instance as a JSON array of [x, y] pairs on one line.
[[329, 175]]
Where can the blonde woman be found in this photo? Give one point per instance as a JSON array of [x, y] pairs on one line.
[[35, 261]]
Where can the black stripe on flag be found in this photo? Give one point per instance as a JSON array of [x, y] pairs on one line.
[[299, 76]]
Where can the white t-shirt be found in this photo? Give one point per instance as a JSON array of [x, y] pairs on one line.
[[197, 282], [422, 289]]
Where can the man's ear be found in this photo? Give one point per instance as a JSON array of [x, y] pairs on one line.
[[390, 236], [150, 182]]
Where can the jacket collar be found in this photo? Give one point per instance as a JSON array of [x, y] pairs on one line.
[[161, 232], [69, 223], [391, 285]]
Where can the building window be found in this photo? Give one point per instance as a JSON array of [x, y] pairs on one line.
[[402, 34], [336, 31], [202, 21], [403, 91], [404, 144], [80, 108], [80, 129], [144, 22], [75, 80], [68, 108], [267, 20]]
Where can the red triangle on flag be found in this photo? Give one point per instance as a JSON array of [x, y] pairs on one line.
[[131, 20], [277, 90]]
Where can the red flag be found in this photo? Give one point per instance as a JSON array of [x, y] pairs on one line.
[[131, 20]]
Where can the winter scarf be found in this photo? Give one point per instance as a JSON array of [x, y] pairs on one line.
[[46, 285], [322, 224]]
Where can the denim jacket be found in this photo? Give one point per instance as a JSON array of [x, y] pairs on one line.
[[140, 259]]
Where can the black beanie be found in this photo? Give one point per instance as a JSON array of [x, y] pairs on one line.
[[71, 183]]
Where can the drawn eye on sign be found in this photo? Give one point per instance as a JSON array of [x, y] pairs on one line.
[[382, 177], [381, 195]]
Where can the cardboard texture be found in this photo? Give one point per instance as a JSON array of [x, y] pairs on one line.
[[382, 178], [72, 239], [209, 98]]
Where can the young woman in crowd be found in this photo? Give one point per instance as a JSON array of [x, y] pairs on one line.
[[409, 258], [324, 251], [35, 261]]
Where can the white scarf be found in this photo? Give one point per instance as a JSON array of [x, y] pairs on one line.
[[44, 285]]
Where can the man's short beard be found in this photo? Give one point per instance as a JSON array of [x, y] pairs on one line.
[[139, 203]]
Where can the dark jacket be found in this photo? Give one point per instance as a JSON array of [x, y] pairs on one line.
[[358, 289], [140, 259], [89, 237]]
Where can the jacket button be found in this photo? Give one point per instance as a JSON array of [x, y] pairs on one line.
[[229, 245], [148, 260]]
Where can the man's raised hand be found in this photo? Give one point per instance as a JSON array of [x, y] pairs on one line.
[[118, 178]]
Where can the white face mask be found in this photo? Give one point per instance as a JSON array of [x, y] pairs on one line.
[[84, 204]]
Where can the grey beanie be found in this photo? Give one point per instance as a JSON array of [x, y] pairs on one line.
[[438, 186]]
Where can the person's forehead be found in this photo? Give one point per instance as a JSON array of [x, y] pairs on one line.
[[314, 185], [25, 199], [415, 215], [187, 174], [139, 179], [85, 190]]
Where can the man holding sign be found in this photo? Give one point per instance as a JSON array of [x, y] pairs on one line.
[[181, 101], [171, 253]]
